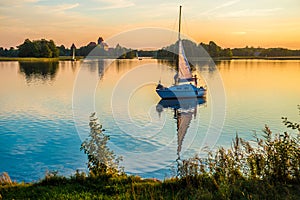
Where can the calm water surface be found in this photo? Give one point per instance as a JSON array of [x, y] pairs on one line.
[[38, 131]]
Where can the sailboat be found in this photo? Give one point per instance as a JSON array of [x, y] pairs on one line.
[[185, 83]]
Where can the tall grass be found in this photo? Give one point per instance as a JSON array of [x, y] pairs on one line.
[[274, 158], [5, 179]]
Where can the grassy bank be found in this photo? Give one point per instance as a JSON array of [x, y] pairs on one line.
[[132, 187]]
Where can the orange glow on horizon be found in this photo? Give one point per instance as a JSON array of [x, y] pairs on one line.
[[228, 23]]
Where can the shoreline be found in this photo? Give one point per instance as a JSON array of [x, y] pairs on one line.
[[33, 59], [69, 58], [258, 58]]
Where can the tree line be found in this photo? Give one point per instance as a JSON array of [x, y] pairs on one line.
[[48, 49], [264, 52], [195, 50], [36, 48], [100, 50]]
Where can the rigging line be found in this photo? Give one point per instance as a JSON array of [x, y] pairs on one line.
[[173, 36], [185, 25], [171, 39], [173, 32]]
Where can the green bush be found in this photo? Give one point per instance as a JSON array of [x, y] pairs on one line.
[[101, 160]]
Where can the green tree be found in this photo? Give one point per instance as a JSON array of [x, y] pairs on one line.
[[101, 160], [53, 48], [63, 51], [45, 51], [213, 49], [27, 49], [38, 48], [226, 52]]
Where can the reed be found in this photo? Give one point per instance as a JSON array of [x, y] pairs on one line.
[[5, 179]]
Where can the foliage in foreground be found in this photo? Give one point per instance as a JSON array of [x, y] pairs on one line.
[[133, 187], [101, 160], [266, 169], [273, 159]]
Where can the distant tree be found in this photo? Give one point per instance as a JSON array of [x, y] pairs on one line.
[[2, 52], [63, 51], [204, 46], [226, 52], [147, 53], [213, 49], [45, 51], [12, 52], [53, 48], [27, 49], [38, 48], [85, 50]]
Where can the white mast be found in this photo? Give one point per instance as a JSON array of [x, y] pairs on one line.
[[179, 25]]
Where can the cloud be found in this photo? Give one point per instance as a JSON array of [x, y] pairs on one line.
[[64, 7], [34, 18], [16, 3], [250, 13], [226, 4], [58, 8], [110, 4], [30, 1], [239, 13]]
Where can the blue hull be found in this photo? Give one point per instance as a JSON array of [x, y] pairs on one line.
[[186, 103], [181, 91]]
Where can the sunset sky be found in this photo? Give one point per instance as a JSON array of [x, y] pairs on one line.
[[233, 23]]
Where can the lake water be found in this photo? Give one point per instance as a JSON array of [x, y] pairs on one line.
[[45, 110]]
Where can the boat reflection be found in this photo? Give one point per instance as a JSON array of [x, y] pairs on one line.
[[184, 111]]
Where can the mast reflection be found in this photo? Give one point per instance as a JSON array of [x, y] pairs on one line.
[[184, 111]]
